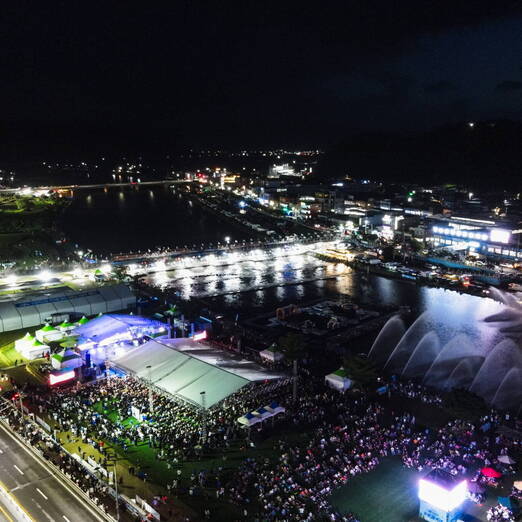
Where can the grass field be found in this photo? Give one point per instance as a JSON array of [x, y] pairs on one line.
[[8, 354], [144, 459], [389, 493]]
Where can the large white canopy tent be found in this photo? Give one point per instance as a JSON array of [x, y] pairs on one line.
[[26, 310], [184, 368]]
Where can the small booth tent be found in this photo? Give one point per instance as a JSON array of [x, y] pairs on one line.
[[338, 380], [261, 414], [271, 354], [66, 327], [66, 359], [48, 333], [34, 350], [26, 340]]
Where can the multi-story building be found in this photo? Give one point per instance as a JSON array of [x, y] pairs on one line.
[[486, 237]]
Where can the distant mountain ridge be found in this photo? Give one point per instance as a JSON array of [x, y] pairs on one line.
[[471, 153]]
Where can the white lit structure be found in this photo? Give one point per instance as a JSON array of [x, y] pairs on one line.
[[441, 496], [474, 235]]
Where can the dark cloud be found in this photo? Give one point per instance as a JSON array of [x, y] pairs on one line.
[[509, 86], [441, 86]]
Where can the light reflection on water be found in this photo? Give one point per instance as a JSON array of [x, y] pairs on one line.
[[134, 219], [237, 287]]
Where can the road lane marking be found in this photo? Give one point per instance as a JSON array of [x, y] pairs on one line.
[[61, 480], [1, 451], [65, 518], [18, 469], [41, 493]]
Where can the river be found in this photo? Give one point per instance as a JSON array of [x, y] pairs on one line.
[[115, 220], [138, 219]]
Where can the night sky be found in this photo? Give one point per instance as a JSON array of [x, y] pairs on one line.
[[252, 73]]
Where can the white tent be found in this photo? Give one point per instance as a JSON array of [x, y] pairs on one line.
[[338, 380], [48, 333], [261, 414], [271, 354], [249, 419], [26, 310], [66, 359], [24, 342], [34, 350], [275, 408], [180, 374]]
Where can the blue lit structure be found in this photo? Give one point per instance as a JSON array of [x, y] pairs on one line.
[[473, 235], [111, 328]]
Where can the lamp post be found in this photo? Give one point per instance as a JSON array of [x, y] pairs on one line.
[[112, 459], [151, 404], [203, 417], [24, 423], [227, 241]]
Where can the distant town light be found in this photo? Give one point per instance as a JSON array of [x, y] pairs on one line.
[[471, 124]]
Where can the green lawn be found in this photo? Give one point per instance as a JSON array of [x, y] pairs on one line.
[[9, 356], [143, 458], [389, 493]]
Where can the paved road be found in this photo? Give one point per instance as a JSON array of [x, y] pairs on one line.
[[43, 495]]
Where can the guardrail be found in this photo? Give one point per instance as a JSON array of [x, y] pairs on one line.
[[13, 506], [37, 454]]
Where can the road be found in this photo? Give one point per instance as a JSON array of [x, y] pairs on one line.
[[43, 495], [23, 190]]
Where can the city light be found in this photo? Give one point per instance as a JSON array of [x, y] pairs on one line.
[[498, 235], [11, 279], [45, 276]]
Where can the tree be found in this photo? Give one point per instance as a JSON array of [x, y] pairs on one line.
[[360, 369], [292, 346]]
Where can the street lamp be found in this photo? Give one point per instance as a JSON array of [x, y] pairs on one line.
[[151, 404], [204, 416]]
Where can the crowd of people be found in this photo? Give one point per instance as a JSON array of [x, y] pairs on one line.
[[175, 428], [352, 437], [347, 436], [500, 513]]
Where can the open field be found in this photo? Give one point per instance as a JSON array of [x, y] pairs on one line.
[[386, 494]]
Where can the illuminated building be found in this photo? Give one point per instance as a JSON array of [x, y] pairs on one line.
[[483, 237]]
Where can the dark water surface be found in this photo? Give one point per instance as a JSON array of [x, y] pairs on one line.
[[140, 218], [134, 219]]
